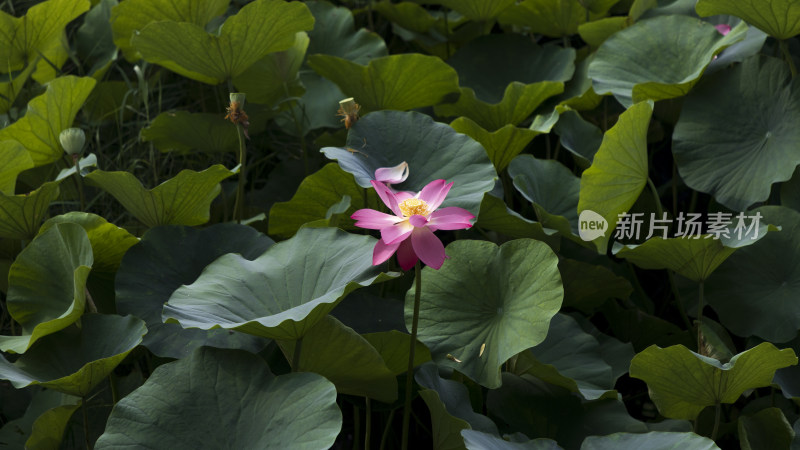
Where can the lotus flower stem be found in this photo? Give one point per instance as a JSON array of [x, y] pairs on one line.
[[656, 198], [85, 423], [411, 349], [717, 408], [788, 56], [238, 205], [78, 183], [298, 346], [299, 129], [386, 430], [700, 307]]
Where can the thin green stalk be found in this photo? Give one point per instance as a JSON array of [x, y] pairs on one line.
[[90, 301], [112, 382], [657, 199], [386, 429], [298, 346], [79, 184], [299, 129], [700, 307], [238, 205], [788, 56], [356, 426], [717, 408], [411, 349], [367, 424]]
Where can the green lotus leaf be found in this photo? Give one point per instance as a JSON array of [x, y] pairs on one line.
[[478, 440], [574, 359], [554, 18], [619, 171], [596, 32], [346, 359], [184, 132], [48, 430], [753, 292], [415, 80], [587, 286], [552, 189], [512, 58], [446, 428], [21, 215], [637, 63], [11, 89], [47, 116], [182, 200], [408, 15], [84, 164], [259, 28], [642, 329], [274, 77], [479, 10], [255, 409], [75, 360], [335, 34], [393, 346], [271, 296], [16, 432], [14, 158], [432, 150], [132, 16], [695, 259], [581, 137], [486, 304], [682, 383], [168, 257], [21, 38], [655, 440], [778, 18], [502, 145], [497, 216], [754, 105], [61, 255], [767, 428], [316, 194], [94, 40]]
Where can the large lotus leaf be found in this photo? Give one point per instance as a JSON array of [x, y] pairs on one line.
[[21, 215], [554, 18], [335, 34], [654, 440], [587, 286], [512, 58], [131, 16], [487, 304], [346, 359], [94, 40], [393, 346], [271, 296], [182, 200], [408, 15], [502, 145], [479, 10], [495, 215], [551, 188], [402, 82], [619, 171], [755, 291], [642, 329], [518, 102], [109, 242], [581, 137], [21, 39], [75, 360], [778, 18], [574, 359], [183, 132], [433, 151], [11, 89], [314, 198], [48, 115], [15, 432], [736, 134], [478, 440], [165, 259], [48, 430], [682, 382], [259, 28], [765, 429], [47, 285], [252, 407], [658, 58], [274, 77], [14, 158]]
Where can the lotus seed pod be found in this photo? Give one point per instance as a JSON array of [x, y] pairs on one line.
[[237, 97], [349, 106], [72, 139]]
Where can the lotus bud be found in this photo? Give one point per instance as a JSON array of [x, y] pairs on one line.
[[72, 140]]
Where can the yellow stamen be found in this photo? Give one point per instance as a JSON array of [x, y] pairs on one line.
[[414, 206]]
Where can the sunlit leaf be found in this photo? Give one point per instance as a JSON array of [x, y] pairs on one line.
[[778, 18]]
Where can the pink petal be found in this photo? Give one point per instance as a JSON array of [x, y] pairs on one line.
[[374, 220], [396, 232], [428, 247], [406, 256], [434, 193], [723, 28], [451, 218], [401, 196], [418, 221], [383, 252], [387, 196], [392, 175]]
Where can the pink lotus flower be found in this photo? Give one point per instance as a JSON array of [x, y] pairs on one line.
[[723, 29], [392, 175], [409, 232]]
